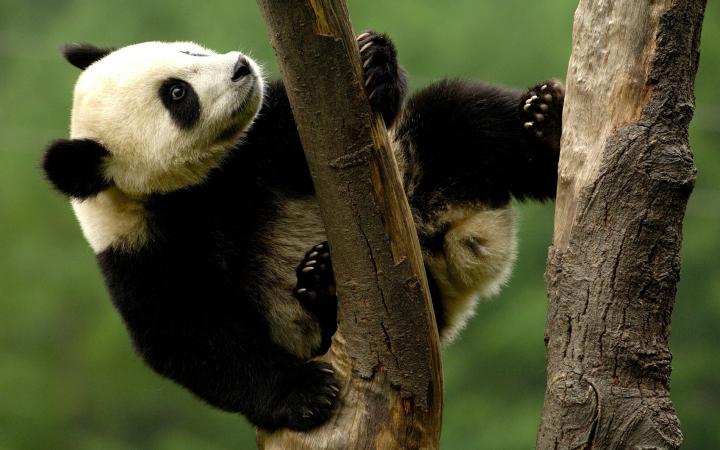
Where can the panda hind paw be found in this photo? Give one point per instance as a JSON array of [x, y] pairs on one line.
[[541, 111], [315, 285], [385, 81]]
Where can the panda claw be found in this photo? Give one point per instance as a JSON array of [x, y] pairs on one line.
[[362, 36], [367, 62], [369, 79], [541, 111], [366, 46], [315, 290], [327, 370]]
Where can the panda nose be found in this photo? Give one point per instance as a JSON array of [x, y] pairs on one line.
[[241, 68]]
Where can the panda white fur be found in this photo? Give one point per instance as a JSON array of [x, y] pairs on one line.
[[185, 171]]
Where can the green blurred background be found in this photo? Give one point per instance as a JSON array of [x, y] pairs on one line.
[[68, 376]]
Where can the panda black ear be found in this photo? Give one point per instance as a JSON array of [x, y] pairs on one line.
[[75, 167], [82, 55]]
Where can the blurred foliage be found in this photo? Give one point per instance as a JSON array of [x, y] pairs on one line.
[[68, 376]]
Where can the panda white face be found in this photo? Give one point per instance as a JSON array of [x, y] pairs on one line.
[[167, 113]]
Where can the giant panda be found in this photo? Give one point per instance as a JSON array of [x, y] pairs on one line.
[[187, 176]]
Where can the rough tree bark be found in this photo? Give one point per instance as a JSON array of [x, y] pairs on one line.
[[386, 350], [626, 172]]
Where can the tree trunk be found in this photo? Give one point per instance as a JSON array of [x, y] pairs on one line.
[[386, 350], [626, 172]]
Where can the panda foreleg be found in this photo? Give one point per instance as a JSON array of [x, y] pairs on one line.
[[229, 364], [288, 394], [307, 400]]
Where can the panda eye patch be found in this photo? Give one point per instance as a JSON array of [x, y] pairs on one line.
[[181, 101]]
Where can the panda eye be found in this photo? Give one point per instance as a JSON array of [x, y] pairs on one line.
[[177, 92]]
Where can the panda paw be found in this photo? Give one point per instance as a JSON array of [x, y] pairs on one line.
[[385, 79], [541, 111], [315, 290], [315, 281], [312, 398]]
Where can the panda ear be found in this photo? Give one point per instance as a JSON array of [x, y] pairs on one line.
[[75, 167], [82, 55]]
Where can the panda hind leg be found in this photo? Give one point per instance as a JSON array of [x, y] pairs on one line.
[[385, 80], [315, 290]]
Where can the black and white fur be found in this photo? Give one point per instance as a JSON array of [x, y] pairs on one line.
[[188, 179]]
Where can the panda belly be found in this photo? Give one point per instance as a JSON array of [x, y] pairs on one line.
[[295, 228], [479, 247]]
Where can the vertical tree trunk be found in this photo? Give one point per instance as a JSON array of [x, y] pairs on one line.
[[626, 173], [386, 350]]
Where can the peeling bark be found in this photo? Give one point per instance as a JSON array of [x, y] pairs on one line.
[[386, 350], [626, 172]]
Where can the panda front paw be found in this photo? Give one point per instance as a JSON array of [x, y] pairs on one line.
[[541, 109], [315, 290], [385, 79], [312, 398]]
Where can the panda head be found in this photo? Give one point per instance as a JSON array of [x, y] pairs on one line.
[[152, 117]]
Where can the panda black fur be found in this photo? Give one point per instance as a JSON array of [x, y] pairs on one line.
[[196, 197]]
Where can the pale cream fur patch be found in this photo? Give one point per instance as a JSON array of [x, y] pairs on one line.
[[111, 218], [290, 235], [479, 251]]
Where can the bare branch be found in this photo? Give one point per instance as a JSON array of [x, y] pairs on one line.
[[386, 350]]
